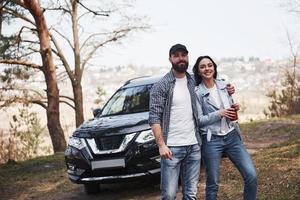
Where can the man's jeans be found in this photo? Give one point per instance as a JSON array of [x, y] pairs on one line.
[[186, 163], [232, 146]]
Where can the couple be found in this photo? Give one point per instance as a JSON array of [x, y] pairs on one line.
[[186, 122]]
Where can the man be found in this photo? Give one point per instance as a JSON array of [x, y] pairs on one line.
[[173, 119]]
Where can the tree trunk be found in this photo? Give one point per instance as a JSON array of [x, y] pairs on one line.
[[1, 17], [76, 83], [53, 122], [78, 99]]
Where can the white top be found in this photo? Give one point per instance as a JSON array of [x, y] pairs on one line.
[[215, 97], [182, 128]]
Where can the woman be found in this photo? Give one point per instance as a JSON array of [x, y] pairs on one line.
[[220, 134]]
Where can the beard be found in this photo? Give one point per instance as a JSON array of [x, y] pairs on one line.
[[180, 69]]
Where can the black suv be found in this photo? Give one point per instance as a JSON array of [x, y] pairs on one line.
[[118, 143]]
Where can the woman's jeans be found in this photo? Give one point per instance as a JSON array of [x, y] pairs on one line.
[[186, 163], [231, 146]]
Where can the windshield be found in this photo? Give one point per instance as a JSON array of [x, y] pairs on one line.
[[128, 100]]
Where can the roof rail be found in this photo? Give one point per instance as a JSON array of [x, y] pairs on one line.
[[127, 82]]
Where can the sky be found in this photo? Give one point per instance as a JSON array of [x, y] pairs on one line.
[[218, 28]]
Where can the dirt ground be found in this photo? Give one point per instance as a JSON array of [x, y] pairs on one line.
[[132, 190], [59, 187], [149, 189]]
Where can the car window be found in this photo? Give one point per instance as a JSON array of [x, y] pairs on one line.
[[128, 100]]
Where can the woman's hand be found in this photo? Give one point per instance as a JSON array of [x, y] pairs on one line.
[[228, 113], [236, 106], [230, 89]]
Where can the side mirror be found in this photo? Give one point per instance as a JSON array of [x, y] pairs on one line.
[[97, 111]]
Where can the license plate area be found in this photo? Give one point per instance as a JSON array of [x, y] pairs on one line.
[[111, 163]]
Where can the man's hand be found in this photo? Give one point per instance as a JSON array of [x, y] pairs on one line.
[[230, 89], [165, 152]]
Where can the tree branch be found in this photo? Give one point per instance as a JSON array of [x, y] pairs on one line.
[[38, 102], [19, 38], [3, 4], [18, 15], [60, 8], [62, 96], [22, 62], [34, 50], [25, 55], [11, 88], [61, 101], [118, 34], [63, 59], [19, 2], [291, 45], [62, 76], [63, 36], [10, 101], [83, 14], [31, 42], [89, 38], [67, 2], [101, 13]]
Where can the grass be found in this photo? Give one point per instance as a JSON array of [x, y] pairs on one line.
[[279, 128], [278, 169], [31, 178], [278, 165]]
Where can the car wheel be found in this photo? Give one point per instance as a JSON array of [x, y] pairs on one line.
[[91, 188]]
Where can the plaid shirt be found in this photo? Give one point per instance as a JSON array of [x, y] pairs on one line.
[[161, 97]]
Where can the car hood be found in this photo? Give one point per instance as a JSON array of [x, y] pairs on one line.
[[113, 125]]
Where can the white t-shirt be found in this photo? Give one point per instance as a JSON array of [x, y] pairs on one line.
[[214, 95], [182, 127]]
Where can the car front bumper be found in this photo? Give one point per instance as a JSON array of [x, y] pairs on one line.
[[137, 160]]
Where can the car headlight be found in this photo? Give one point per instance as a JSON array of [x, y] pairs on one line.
[[145, 136], [76, 142], [126, 140]]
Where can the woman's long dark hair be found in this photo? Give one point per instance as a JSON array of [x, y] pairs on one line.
[[197, 77]]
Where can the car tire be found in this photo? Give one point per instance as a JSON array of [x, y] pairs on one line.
[[91, 188]]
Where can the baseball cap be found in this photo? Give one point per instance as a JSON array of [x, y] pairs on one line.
[[177, 47]]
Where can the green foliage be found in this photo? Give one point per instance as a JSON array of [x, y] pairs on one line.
[[6, 17], [26, 131], [10, 45], [285, 101], [13, 73], [5, 43], [101, 94]]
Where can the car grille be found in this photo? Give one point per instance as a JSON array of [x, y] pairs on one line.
[[109, 142]]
